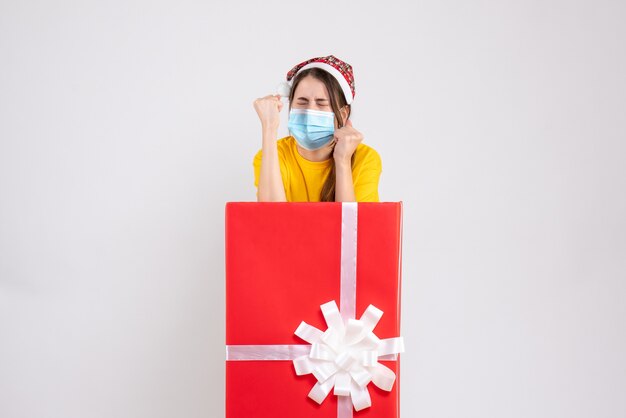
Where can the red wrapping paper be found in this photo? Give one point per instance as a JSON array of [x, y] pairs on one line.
[[282, 263]]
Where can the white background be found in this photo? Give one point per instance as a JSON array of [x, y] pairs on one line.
[[125, 126]]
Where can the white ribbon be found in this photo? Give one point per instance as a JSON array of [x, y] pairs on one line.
[[344, 358]]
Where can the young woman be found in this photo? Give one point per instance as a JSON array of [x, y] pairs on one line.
[[323, 159]]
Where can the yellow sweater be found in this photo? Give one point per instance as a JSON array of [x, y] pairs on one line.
[[303, 179]]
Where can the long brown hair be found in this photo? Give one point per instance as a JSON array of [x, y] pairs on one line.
[[337, 102]]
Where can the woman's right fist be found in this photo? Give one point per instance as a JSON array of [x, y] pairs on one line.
[[268, 108]]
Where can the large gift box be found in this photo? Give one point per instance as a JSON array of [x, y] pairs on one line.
[[313, 309]]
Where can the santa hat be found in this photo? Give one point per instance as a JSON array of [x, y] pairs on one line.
[[342, 71]]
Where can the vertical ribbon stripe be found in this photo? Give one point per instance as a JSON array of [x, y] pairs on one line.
[[349, 222]]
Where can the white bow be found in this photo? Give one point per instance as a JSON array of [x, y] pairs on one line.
[[345, 356]]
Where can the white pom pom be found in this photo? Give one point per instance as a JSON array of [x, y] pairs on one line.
[[284, 88]]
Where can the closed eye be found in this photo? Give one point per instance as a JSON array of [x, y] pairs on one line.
[[302, 99]]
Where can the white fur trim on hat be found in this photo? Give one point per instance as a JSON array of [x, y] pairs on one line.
[[347, 92], [284, 88]]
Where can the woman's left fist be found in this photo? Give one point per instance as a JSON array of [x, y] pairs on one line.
[[346, 140]]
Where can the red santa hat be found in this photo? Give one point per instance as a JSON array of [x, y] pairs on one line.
[[342, 71]]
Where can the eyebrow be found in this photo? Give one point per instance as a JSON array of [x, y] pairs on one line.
[[317, 100]]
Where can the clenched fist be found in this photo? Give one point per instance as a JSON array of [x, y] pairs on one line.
[[346, 140], [268, 108]]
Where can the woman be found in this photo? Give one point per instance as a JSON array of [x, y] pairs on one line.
[[323, 159]]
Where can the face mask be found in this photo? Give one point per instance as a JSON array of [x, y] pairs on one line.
[[312, 129]]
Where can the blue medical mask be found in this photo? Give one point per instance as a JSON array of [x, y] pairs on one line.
[[312, 129]]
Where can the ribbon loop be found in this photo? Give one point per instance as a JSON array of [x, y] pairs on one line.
[[308, 333], [383, 377], [360, 397], [369, 358], [320, 351], [304, 365], [332, 316], [355, 331], [391, 346], [320, 391], [370, 317], [361, 376], [342, 384]]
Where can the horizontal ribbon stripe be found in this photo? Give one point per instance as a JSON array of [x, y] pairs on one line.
[[266, 352]]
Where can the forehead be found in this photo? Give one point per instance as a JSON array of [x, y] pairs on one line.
[[311, 88]]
